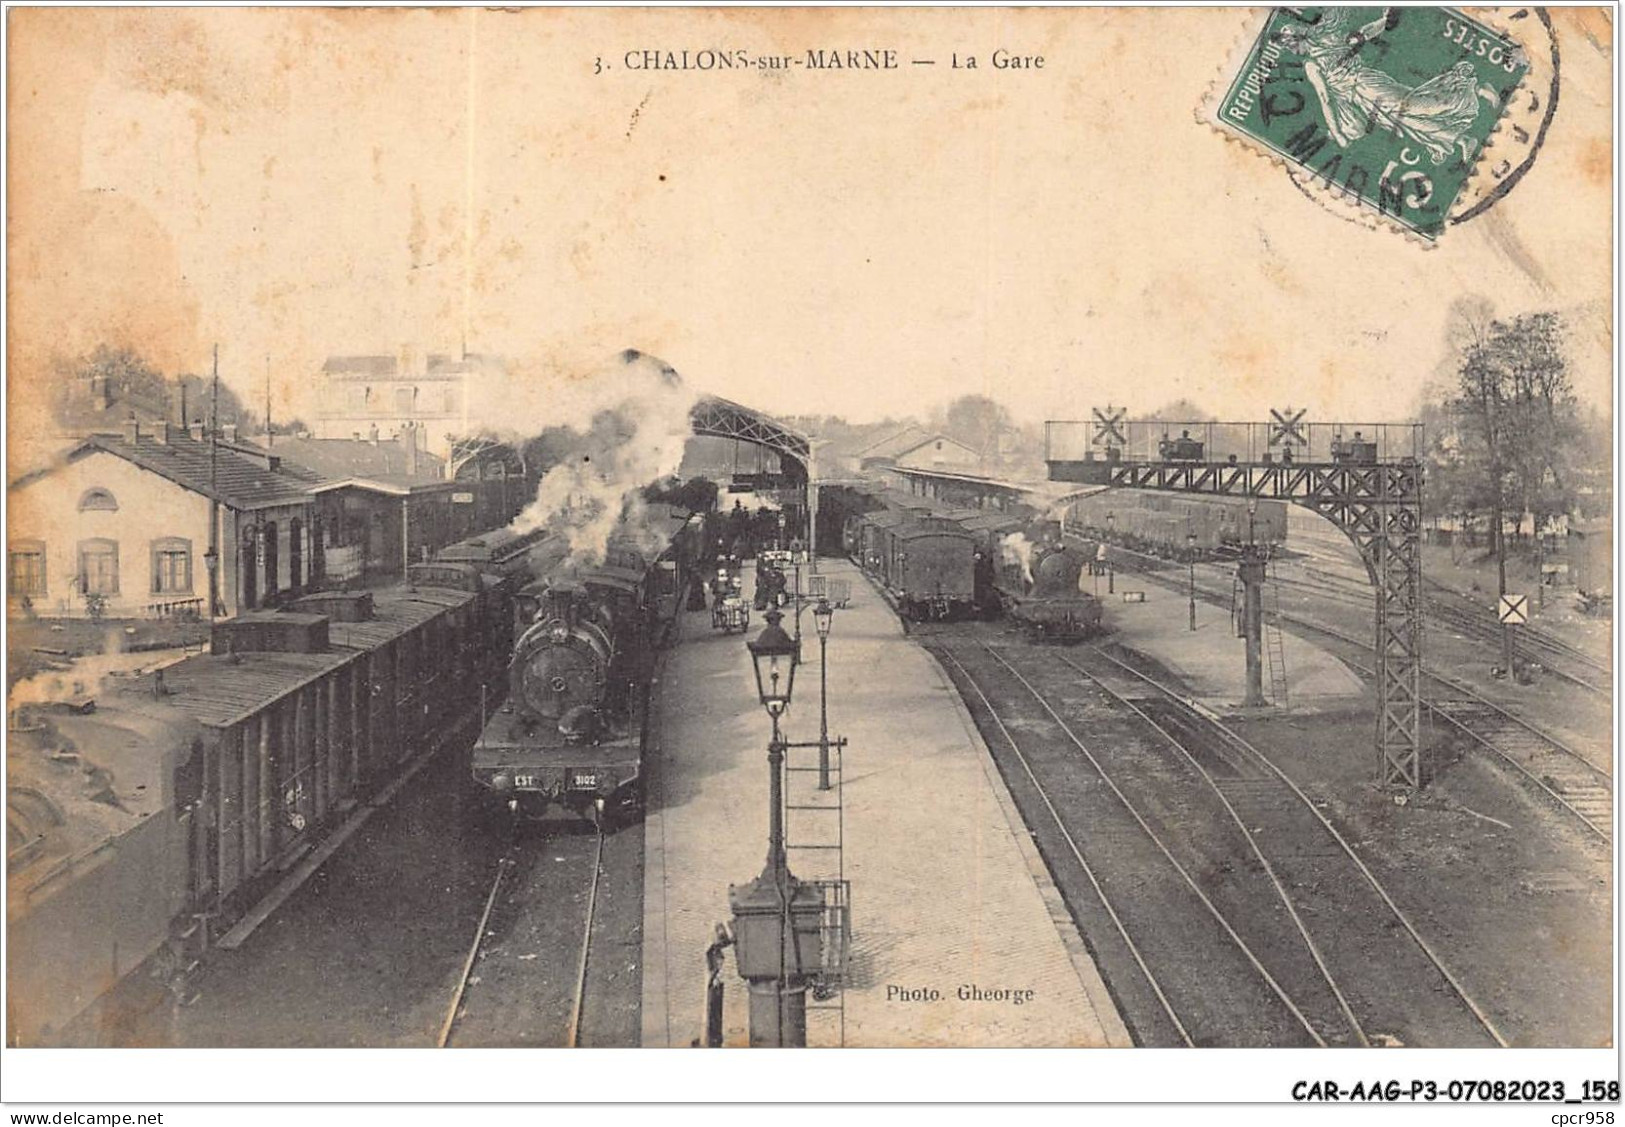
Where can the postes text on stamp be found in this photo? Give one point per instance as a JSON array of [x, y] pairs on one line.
[[1389, 108]]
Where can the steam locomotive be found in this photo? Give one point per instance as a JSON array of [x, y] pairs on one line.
[[570, 734], [1053, 606]]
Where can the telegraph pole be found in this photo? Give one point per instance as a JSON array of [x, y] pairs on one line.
[[213, 560]]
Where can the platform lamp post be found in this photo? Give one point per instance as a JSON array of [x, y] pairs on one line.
[[1190, 556], [795, 565], [823, 618], [777, 918]]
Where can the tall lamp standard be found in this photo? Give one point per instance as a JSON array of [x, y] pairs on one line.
[[1111, 569], [823, 618], [1190, 555], [776, 916]]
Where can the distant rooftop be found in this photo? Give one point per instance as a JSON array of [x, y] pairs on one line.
[[348, 458], [436, 365], [238, 475]]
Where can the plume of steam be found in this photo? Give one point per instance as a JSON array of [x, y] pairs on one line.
[[633, 435], [1015, 549]]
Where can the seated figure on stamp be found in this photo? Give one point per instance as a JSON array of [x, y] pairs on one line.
[[1357, 98]]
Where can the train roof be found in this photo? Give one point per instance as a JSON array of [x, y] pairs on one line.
[[495, 544], [989, 522], [395, 611], [78, 780], [887, 519], [608, 576], [221, 690], [919, 531]]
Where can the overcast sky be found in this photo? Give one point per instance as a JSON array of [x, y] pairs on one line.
[[294, 184]]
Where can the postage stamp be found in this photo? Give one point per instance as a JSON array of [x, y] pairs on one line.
[[1389, 108]]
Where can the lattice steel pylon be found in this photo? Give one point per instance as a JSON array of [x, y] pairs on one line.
[[1379, 507]]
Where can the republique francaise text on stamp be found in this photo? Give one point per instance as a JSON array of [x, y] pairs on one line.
[[1389, 108]]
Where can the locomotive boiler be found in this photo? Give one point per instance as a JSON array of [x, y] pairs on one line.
[[1054, 607], [569, 736]]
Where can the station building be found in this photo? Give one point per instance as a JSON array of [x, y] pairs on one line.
[[431, 392], [119, 526]]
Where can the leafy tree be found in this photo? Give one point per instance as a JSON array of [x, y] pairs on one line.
[[977, 421], [126, 372], [1516, 424], [1183, 411], [199, 397], [549, 448]]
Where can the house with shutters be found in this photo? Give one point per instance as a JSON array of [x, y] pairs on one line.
[[119, 526]]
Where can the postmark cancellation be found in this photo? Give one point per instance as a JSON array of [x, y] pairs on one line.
[[1389, 109]]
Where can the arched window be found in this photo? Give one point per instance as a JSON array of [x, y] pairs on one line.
[[97, 500], [98, 566], [171, 566]]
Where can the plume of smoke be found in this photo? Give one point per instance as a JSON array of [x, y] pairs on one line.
[[1015, 549], [633, 435]]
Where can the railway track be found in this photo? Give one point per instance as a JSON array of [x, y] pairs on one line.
[[1393, 981], [1472, 619], [1558, 772], [1159, 916], [1444, 607], [506, 1006], [1160, 783]]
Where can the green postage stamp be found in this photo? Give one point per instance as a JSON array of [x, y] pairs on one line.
[[1388, 108]]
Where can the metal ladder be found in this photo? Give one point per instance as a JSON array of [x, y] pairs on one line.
[[1274, 644], [815, 827]]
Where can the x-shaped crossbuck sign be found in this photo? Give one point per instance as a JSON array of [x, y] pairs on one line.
[[1285, 430], [1106, 428]]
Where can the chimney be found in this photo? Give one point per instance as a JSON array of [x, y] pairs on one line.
[[409, 440], [195, 429], [228, 433], [162, 433], [132, 430]]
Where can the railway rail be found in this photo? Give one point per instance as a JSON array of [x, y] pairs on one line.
[[481, 1009], [1471, 618], [1374, 964], [1191, 1002], [1199, 799], [1558, 772]]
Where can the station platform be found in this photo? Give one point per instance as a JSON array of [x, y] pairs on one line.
[[949, 899], [1212, 660]]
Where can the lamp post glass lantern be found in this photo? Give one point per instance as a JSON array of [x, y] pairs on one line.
[[773, 655]]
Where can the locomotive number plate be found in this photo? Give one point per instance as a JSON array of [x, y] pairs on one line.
[[584, 781], [525, 781]]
